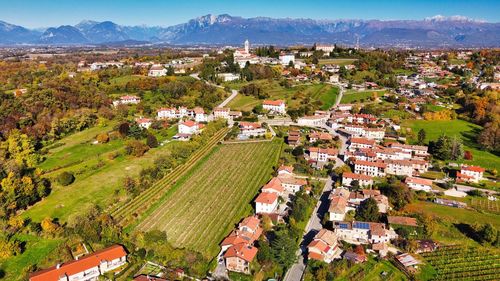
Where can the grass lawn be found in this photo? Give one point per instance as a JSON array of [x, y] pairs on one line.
[[352, 96], [36, 251], [338, 61], [123, 80], [326, 94], [463, 129], [372, 270], [97, 178], [446, 231], [206, 203]]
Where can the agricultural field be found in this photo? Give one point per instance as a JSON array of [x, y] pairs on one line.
[[338, 61], [293, 96], [451, 219], [464, 263], [372, 270], [205, 204], [97, 175], [351, 96], [463, 129]]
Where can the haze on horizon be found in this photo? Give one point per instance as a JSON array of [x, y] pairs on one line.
[[45, 13]]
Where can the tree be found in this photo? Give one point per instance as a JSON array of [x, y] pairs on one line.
[[368, 211], [298, 151], [489, 138], [355, 184], [487, 233], [49, 226], [468, 155], [65, 178], [151, 141], [421, 136], [123, 129], [399, 194], [447, 148], [283, 248]]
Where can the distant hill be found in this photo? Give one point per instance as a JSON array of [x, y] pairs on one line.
[[436, 32]]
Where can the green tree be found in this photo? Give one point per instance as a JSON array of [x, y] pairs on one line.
[[65, 178], [368, 211], [283, 248], [151, 141], [421, 136]]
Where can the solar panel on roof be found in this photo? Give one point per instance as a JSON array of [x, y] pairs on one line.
[[362, 225]]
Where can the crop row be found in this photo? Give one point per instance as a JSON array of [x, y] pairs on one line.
[[148, 196]]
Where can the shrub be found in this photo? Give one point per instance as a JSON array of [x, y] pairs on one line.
[[65, 178], [102, 138], [136, 148], [151, 141]]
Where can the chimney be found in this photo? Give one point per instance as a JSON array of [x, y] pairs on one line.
[[58, 266]]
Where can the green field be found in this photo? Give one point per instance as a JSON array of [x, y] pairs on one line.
[[338, 61], [97, 176], [463, 129], [449, 217], [293, 96], [352, 96], [206, 203], [37, 249]]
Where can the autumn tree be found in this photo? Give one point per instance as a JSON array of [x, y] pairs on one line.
[[368, 211], [421, 136]]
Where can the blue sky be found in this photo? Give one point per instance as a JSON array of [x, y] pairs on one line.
[[44, 13]]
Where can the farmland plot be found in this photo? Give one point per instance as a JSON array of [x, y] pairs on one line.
[[213, 196]]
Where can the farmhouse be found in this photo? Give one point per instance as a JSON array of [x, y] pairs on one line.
[[85, 268], [419, 183], [266, 203], [322, 154], [157, 71], [324, 246], [470, 174], [251, 129], [144, 122], [363, 180], [239, 257], [190, 127], [127, 100], [275, 106]]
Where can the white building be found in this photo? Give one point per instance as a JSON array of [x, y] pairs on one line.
[[266, 203], [275, 106], [226, 77], [419, 184], [324, 247], [470, 173], [327, 48], [144, 122], [285, 59], [399, 167], [221, 112], [314, 120], [364, 180], [127, 100], [190, 127], [157, 71], [373, 169]]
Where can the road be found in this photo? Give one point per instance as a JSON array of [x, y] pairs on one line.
[[296, 271], [234, 93]]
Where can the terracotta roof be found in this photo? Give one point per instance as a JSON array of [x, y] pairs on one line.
[[370, 192], [329, 151], [286, 179], [356, 176], [266, 198], [418, 181], [338, 205], [473, 169], [289, 169], [247, 125], [273, 102], [371, 164], [189, 123], [362, 141], [274, 184], [379, 246], [198, 110], [129, 97], [402, 220], [315, 256], [328, 236], [77, 266], [233, 239], [157, 67], [242, 251]]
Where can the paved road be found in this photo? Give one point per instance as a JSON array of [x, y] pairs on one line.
[[465, 188], [234, 93], [296, 272]]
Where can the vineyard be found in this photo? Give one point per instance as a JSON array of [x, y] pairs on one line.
[[485, 204], [206, 204], [463, 263], [127, 212]]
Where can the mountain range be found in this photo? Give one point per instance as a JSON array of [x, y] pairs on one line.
[[435, 32]]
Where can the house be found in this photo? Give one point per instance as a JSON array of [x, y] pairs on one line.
[[285, 170], [416, 150], [356, 197], [248, 231], [357, 143], [274, 186], [322, 154], [315, 136], [275, 106], [144, 122], [363, 180], [85, 268], [470, 174], [381, 248], [293, 138], [314, 120], [399, 167], [291, 183], [338, 208], [327, 48], [363, 232], [251, 129], [127, 100], [355, 257], [199, 115], [324, 246], [266, 203], [286, 58], [419, 183], [334, 78], [426, 246], [239, 257], [402, 221], [373, 169], [374, 133], [226, 77], [221, 112], [345, 107], [157, 71], [190, 127]]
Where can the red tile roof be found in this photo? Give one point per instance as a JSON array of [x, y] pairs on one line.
[[362, 141], [356, 176], [273, 102], [189, 123], [242, 251], [266, 198], [473, 169], [80, 265], [371, 164], [402, 220], [418, 181]]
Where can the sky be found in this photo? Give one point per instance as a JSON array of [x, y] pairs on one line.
[[47, 13]]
